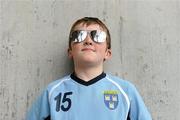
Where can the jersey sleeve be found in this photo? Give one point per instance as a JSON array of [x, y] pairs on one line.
[[40, 109], [138, 110]]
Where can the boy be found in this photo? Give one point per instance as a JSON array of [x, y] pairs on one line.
[[89, 93]]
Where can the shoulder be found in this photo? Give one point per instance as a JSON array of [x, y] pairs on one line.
[[126, 85], [58, 82], [119, 80]]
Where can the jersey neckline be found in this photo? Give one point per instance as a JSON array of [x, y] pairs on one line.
[[90, 82]]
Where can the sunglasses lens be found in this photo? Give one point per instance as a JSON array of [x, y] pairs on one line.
[[98, 36], [78, 36]]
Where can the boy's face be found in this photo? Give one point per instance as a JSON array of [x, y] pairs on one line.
[[88, 51]]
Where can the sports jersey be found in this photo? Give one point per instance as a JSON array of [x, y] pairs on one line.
[[105, 97]]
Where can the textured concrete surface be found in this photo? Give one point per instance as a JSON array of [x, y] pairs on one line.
[[145, 41]]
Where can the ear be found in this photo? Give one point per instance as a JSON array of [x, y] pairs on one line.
[[108, 54], [70, 53]]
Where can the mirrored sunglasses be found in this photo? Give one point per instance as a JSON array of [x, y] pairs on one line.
[[80, 35]]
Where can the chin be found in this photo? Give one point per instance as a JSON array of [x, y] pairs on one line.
[[89, 60]]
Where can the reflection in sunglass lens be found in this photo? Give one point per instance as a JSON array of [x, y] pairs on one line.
[[100, 36], [74, 35], [82, 36]]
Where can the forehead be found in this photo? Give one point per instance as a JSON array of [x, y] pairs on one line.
[[84, 26]]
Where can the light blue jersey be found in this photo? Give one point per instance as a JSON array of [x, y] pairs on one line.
[[105, 97]]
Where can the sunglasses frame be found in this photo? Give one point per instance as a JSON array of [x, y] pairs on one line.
[[101, 36]]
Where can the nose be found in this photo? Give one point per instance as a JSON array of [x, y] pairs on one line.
[[88, 40]]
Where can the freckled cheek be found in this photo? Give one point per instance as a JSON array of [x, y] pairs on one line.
[[76, 48], [102, 48], [101, 51]]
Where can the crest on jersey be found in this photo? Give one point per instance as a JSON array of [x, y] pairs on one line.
[[111, 99]]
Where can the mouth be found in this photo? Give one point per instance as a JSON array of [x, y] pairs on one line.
[[88, 49]]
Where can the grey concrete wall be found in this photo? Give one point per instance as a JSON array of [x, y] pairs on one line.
[[145, 44]]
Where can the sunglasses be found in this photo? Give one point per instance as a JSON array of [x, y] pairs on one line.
[[80, 35]]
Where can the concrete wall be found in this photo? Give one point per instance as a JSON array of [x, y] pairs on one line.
[[145, 42]]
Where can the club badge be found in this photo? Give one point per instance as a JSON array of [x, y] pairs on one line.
[[111, 99]]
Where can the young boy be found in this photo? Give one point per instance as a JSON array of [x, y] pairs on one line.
[[89, 93]]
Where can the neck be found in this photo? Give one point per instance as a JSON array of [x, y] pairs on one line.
[[88, 73]]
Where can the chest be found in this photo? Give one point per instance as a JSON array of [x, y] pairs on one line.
[[96, 102]]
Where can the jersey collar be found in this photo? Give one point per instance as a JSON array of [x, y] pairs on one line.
[[90, 82]]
